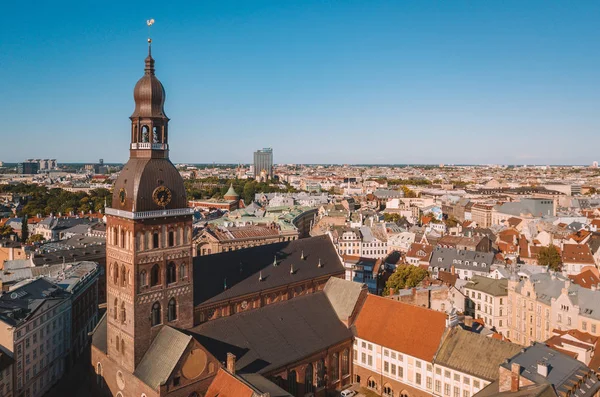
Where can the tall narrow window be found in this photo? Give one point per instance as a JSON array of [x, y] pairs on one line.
[[155, 240], [116, 309], [335, 366], [155, 275], [143, 279], [309, 387], [171, 276], [123, 318], [115, 273], [172, 312], [156, 314], [292, 385], [123, 276], [171, 238], [145, 133], [122, 238], [122, 346], [346, 362], [182, 272], [321, 373], [118, 344]]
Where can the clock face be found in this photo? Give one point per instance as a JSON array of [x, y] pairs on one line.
[[162, 196], [122, 195]]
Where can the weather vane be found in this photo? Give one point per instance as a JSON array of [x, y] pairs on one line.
[[149, 22]]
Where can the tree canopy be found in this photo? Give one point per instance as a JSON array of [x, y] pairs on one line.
[[549, 256], [405, 276]]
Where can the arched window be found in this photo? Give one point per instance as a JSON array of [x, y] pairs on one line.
[[155, 275], [122, 238], [118, 343], [335, 366], [116, 309], [371, 384], [123, 276], [172, 312], [346, 362], [171, 276], [321, 373], [292, 383], [171, 238], [99, 374], [309, 387], [182, 272], [388, 391], [156, 319], [123, 316], [143, 279], [115, 273], [155, 137], [404, 393], [145, 133], [155, 240]]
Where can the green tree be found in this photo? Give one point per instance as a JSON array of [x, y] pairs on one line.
[[451, 221], [408, 192], [549, 256], [405, 276], [36, 238], [6, 231], [24, 229]]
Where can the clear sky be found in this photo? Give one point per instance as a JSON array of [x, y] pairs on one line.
[[319, 81]]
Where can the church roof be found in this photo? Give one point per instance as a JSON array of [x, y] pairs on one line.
[[275, 335], [231, 193], [162, 357], [234, 274]]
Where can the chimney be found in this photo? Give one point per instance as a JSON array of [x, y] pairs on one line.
[[542, 368], [231, 363], [392, 291], [452, 269], [515, 377]]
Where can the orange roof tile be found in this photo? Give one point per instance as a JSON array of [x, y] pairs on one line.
[[577, 253], [409, 329], [226, 385], [585, 279]]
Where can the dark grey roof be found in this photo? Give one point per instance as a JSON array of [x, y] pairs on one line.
[[17, 305], [99, 335], [445, 258], [71, 250], [239, 270], [263, 385], [563, 371], [162, 357], [275, 335]]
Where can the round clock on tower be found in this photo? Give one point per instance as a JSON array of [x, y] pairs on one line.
[[149, 234]]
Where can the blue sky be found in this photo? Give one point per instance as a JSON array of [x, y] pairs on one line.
[[320, 81]]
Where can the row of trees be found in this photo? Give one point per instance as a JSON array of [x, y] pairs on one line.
[[216, 188], [41, 200]]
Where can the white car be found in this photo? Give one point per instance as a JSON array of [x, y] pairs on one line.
[[347, 393]]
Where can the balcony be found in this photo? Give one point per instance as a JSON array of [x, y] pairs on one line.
[[149, 146], [149, 214]]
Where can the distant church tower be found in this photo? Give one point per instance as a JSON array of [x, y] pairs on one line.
[[149, 232]]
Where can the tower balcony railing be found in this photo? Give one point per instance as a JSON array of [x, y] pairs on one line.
[[148, 145], [149, 214]]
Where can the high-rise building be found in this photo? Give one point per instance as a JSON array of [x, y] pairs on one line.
[[28, 167], [263, 164]]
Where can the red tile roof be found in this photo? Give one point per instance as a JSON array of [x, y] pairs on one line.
[[585, 279], [226, 385], [408, 329], [577, 253]]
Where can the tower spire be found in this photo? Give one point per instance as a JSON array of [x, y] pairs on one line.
[[149, 69]]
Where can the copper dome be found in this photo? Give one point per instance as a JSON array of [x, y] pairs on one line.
[[140, 178], [149, 94]]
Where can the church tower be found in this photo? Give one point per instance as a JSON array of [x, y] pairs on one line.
[[149, 235]]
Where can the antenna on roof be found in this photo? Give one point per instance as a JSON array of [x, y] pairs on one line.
[[302, 257], [275, 261], [320, 264], [260, 277], [292, 268]]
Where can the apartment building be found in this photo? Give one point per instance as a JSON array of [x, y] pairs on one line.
[[35, 327], [6, 375], [396, 360], [549, 301], [487, 299]]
